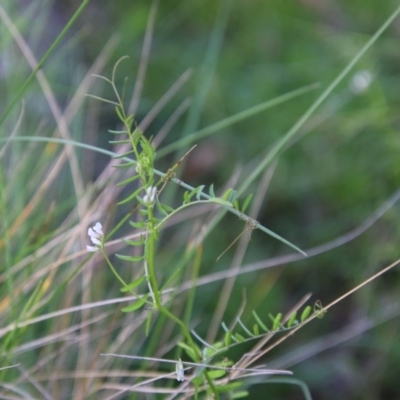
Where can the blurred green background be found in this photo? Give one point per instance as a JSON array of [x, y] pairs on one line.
[[341, 167]]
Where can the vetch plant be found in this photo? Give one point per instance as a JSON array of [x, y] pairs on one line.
[[138, 156]]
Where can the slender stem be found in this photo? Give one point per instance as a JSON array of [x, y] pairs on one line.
[[150, 257], [153, 280], [113, 269]]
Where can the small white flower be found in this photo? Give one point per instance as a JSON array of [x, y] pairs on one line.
[[361, 81], [92, 249], [180, 372], [150, 194], [96, 236]]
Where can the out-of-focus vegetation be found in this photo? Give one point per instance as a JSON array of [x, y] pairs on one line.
[[336, 172]]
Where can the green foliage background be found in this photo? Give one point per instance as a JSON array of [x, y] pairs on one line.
[[342, 166]]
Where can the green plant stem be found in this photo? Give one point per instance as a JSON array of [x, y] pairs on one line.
[[113, 269], [154, 284], [150, 258], [156, 293]]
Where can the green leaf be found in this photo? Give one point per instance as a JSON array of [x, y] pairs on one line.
[[227, 193], [119, 113], [306, 312], [216, 373], [141, 211], [240, 395], [196, 191], [228, 338], [124, 154], [186, 197], [122, 141], [129, 121], [189, 351], [144, 144], [130, 258], [137, 131], [154, 233], [160, 208], [244, 327], [167, 208], [130, 197], [225, 363], [196, 382], [129, 180], [154, 220], [199, 192], [101, 98], [246, 202], [136, 137], [135, 242], [292, 319], [208, 352], [239, 337], [133, 284], [277, 322], [256, 330], [163, 208], [218, 345], [211, 191], [236, 204], [137, 304], [232, 196], [118, 132], [230, 387], [258, 319], [126, 165], [137, 225]]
